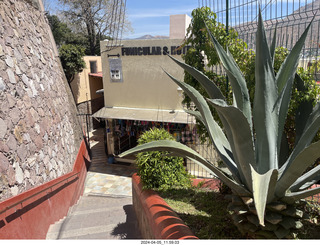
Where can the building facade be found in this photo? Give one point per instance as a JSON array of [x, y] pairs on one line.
[[84, 88], [138, 94], [86, 83]]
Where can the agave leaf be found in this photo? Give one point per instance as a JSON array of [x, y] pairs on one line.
[[264, 117], [285, 78], [306, 158], [224, 170], [210, 87], [224, 175], [294, 196], [284, 150], [197, 115], [273, 44], [238, 83], [306, 180], [216, 134], [304, 110], [289, 66], [263, 190], [240, 138], [183, 150], [281, 107], [311, 128]]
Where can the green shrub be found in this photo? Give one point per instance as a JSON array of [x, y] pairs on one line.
[[158, 170]]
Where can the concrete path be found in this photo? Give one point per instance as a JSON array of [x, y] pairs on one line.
[[105, 210], [104, 178]]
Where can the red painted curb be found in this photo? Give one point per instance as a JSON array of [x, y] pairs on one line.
[[212, 184], [155, 217]]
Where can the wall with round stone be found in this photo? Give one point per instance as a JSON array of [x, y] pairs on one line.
[[39, 129]]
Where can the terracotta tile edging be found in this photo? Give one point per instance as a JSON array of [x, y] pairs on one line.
[[155, 217]]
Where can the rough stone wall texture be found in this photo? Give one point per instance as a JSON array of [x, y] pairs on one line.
[[39, 130]]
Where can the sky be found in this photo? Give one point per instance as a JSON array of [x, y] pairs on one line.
[[148, 17], [153, 17]]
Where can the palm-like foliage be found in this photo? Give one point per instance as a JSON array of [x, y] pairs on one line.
[[250, 145]]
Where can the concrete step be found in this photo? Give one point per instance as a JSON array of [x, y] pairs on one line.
[[94, 232], [98, 217], [54, 230]]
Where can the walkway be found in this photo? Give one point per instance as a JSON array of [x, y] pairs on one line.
[[104, 178], [105, 210]]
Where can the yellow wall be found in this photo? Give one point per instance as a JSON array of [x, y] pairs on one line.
[[95, 84], [80, 84], [145, 84]]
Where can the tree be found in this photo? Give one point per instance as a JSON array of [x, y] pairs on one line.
[[71, 57], [71, 47], [202, 49], [60, 30], [63, 34], [98, 19]]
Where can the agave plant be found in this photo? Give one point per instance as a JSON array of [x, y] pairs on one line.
[[265, 189]]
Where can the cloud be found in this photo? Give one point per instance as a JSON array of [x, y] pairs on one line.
[[146, 15], [156, 12]]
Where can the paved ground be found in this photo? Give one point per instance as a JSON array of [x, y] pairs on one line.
[[105, 211], [104, 178]]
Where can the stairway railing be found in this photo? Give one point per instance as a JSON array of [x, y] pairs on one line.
[[29, 214]]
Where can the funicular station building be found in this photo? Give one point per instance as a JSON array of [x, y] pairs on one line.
[[138, 94]]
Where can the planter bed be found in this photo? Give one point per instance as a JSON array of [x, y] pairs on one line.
[[155, 217], [157, 220]]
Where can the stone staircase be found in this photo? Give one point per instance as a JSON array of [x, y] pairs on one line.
[[97, 217], [99, 213]]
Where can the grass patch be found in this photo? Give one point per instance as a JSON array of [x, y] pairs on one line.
[[205, 212]]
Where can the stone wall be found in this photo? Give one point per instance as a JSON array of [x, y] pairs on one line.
[[39, 130]]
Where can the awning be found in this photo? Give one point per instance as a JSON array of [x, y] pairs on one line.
[[100, 91], [98, 74], [141, 114]]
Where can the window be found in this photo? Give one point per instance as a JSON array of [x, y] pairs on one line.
[[93, 66], [115, 74], [115, 67]]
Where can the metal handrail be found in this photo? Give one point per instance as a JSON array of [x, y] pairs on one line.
[[37, 193]]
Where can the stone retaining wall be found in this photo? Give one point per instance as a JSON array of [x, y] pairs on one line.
[[39, 130]]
